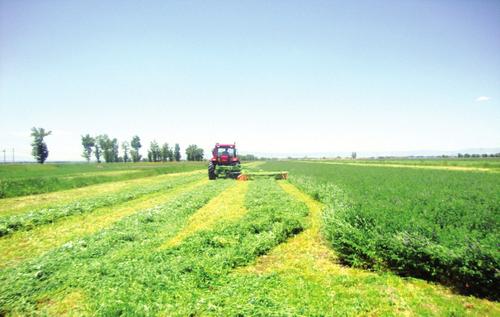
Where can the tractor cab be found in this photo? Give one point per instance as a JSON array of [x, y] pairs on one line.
[[225, 154]]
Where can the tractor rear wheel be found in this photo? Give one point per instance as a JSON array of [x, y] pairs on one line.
[[211, 171]]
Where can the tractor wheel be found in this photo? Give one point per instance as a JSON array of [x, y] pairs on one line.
[[211, 171]]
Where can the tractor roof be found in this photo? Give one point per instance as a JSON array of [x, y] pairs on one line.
[[225, 145]]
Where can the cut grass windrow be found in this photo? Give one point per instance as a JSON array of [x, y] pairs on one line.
[[92, 262], [301, 277], [432, 224], [226, 207], [29, 179], [32, 219], [301, 249], [24, 245], [122, 272], [17, 205]]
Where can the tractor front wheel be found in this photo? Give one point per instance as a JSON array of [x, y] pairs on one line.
[[211, 171]]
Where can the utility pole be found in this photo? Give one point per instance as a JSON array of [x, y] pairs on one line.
[[13, 156], [4, 156]]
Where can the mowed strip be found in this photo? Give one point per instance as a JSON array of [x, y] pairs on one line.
[[253, 164], [17, 205], [227, 207], [306, 262], [101, 173], [305, 252], [28, 244], [432, 167], [107, 270]]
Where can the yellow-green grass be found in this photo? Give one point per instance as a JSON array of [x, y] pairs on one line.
[[432, 167], [306, 263], [17, 205], [226, 207], [28, 179], [107, 173], [69, 301], [308, 244], [253, 164], [65, 304], [300, 277], [24, 245]]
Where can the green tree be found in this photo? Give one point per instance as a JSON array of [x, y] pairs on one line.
[[189, 152], [154, 153], [170, 155], [125, 148], [39, 148], [194, 153], [166, 153], [97, 151], [102, 143], [109, 148], [115, 151], [136, 145], [177, 152], [198, 155], [88, 143]]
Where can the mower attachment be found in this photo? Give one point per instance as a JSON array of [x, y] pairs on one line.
[[252, 175]]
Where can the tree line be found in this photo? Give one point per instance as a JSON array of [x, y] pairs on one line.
[[102, 147], [106, 148], [467, 155]]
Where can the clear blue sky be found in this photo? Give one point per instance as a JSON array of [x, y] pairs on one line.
[[274, 76]]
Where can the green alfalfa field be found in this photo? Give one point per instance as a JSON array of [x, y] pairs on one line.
[[336, 239]]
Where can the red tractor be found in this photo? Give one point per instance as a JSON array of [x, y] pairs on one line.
[[224, 162]]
